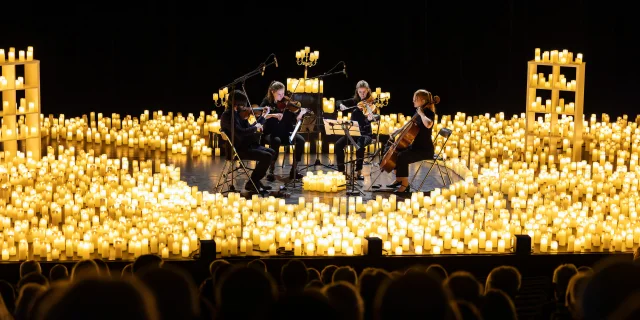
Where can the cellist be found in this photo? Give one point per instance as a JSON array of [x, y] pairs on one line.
[[422, 147]]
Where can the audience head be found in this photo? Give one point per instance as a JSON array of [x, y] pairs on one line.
[[206, 289], [175, 292], [369, 283], [314, 284], [103, 267], [146, 261], [127, 271], [215, 265], [345, 274], [313, 274], [258, 264], [344, 298], [26, 298], [464, 286], [575, 291], [415, 295], [438, 272], [29, 266], [611, 284], [102, 298], [33, 277], [561, 277], [585, 269], [245, 293], [310, 305], [498, 305], [294, 276], [84, 269], [636, 255], [58, 272], [327, 273], [467, 310], [505, 278], [8, 294]]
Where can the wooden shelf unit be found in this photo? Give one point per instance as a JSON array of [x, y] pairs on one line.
[[20, 126], [577, 114]]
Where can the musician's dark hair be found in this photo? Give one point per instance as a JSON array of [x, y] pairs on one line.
[[238, 98], [274, 86], [430, 99], [362, 84]]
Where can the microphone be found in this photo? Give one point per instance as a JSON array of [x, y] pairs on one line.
[[344, 69], [275, 59]]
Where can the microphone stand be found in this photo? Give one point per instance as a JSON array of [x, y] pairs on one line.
[[319, 124], [242, 79]]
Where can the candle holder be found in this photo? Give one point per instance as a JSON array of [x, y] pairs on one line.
[[307, 59], [380, 100]]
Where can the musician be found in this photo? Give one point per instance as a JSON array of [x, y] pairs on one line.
[[360, 114], [245, 139], [278, 130], [422, 147]]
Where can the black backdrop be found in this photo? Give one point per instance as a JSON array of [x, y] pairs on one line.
[[172, 55]]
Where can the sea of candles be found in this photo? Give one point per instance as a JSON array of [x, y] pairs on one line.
[[324, 182], [160, 132], [556, 56]]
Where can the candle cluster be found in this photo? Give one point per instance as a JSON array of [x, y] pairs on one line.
[[11, 55], [389, 123], [539, 81], [555, 56], [305, 85], [160, 132], [307, 54], [324, 182], [328, 105], [562, 107]]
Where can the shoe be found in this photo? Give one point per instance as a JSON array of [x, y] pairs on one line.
[[407, 190], [359, 175], [394, 185], [271, 177], [261, 185], [251, 188]]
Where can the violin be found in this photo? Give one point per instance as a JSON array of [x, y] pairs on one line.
[[288, 103], [246, 112], [365, 105]]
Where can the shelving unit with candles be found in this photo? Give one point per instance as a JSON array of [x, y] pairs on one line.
[[20, 122], [556, 82]]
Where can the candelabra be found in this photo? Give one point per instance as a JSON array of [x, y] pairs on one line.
[[381, 99], [307, 59], [221, 97]]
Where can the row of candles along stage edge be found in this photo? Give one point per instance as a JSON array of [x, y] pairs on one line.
[[479, 137], [4, 84], [81, 205], [562, 107], [538, 81], [556, 56], [161, 128], [11, 57]]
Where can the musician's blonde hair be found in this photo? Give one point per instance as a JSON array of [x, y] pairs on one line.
[[274, 86], [430, 100]]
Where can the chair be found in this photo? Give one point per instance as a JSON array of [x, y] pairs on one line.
[[438, 159], [231, 156]]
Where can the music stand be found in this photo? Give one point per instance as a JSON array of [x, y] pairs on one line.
[[348, 129], [300, 126]]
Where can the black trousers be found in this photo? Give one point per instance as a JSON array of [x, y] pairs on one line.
[[362, 142], [263, 157], [409, 156], [275, 142]]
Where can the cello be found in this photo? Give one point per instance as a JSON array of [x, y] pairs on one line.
[[403, 139]]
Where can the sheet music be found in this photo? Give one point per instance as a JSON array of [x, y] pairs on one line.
[[334, 127]]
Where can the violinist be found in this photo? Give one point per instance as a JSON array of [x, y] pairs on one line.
[[278, 130], [422, 146], [363, 112], [244, 142]]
